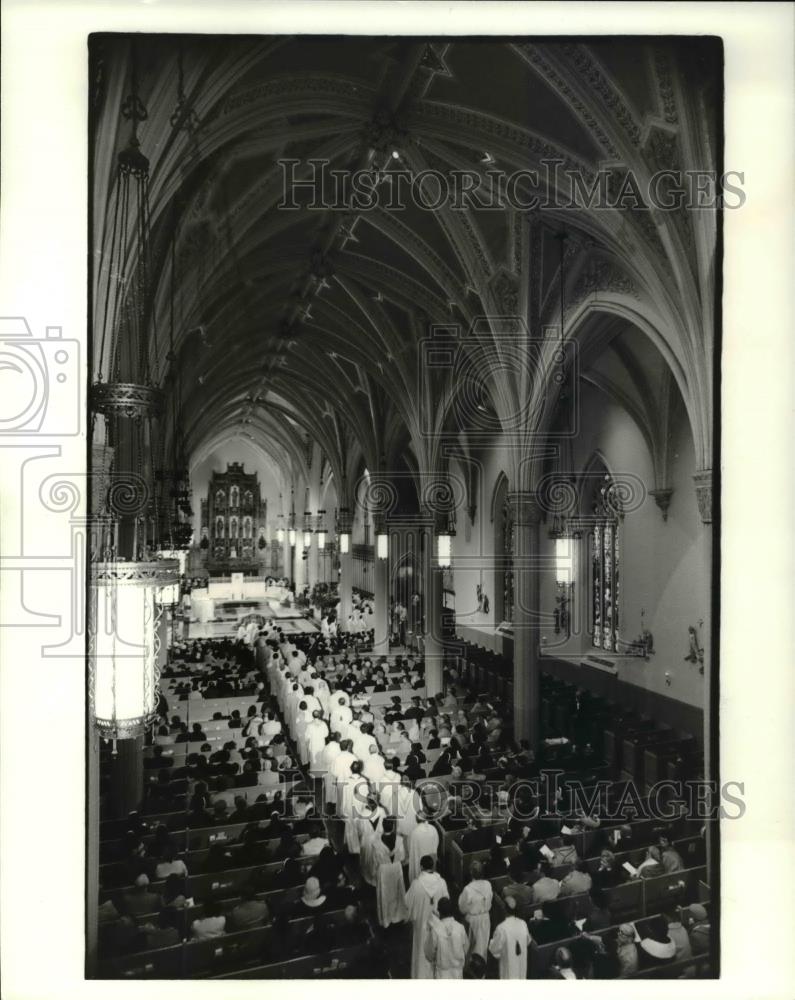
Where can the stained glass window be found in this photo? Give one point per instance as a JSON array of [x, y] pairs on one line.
[[507, 554], [605, 568]]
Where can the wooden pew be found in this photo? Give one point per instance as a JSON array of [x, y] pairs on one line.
[[199, 959]]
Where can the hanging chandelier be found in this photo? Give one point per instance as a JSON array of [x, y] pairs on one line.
[[124, 643]]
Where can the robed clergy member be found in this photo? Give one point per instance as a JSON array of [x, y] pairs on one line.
[[422, 900], [423, 839]]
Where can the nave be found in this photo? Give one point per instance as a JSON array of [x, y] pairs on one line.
[[263, 851]]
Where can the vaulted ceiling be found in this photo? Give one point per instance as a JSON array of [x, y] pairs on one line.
[[310, 324]]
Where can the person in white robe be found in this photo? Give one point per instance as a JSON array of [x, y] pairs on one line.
[[323, 694], [331, 750], [475, 906], [352, 791], [373, 766], [341, 718], [423, 840], [406, 805], [446, 943], [370, 830], [388, 793], [422, 900], [340, 769], [390, 887], [315, 736], [302, 720], [510, 943]]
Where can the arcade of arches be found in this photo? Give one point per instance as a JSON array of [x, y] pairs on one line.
[[349, 391]]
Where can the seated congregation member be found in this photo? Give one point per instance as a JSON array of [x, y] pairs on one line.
[[163, 932], [671, 858], [626, 951], [651, 866], [170, 865], [552, 925], [352, 929], [609, 873], [678, 934], [562, 966], [577, 881], [336, 886], [250, 911], [211, 925], [140, 899], [175, 893], [599, 918], [252, 850], [546, 887], [520, 891], [656, 947], [496, 864], [316, 843], [312, 899], [698, 928]]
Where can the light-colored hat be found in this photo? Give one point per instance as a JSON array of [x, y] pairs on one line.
[[142, 880], [311, 894], [697, 911]]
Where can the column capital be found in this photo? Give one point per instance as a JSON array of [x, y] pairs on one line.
[[524, 507], [703, 483]]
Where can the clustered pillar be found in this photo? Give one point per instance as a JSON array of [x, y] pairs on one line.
[[526, 619]]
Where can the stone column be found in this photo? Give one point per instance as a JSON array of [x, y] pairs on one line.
[[434, 645], [703, 488], [126, 778], [526, 515]]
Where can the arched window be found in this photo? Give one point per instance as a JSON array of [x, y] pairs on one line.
[[605, 516], [220, 498], [248, 500], [233, 527], [219, 527], [234, 497], [247, 527]]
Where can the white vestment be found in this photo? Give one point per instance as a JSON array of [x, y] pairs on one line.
[[446, 948], [423, 839], [315, 736], [422, 900], [509, 945], [390, 888], [327, 756], [475, 905]]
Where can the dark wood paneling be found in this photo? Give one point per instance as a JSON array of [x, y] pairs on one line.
[[677, 714]]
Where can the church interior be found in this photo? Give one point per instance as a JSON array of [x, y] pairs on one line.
[[402, 642]]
